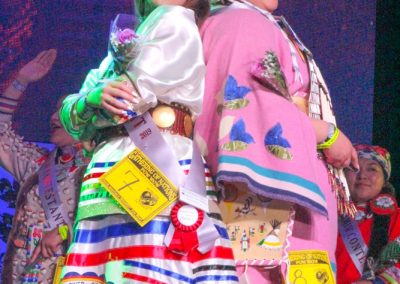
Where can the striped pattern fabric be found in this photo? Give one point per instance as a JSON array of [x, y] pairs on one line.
[[96, 200], [278, 185], [110, 247], [115, 249], [7, 105]]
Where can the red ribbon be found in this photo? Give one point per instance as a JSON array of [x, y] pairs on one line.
[[184, 238]]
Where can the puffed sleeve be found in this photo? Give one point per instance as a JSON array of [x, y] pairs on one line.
[[170, 66]]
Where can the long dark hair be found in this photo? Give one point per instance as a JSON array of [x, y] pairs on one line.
[[380, 229], [201, 9]]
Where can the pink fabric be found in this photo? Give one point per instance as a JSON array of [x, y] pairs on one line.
[[233, 41]]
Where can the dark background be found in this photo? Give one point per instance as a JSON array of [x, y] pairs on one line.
[[341, 34], [386, 126]]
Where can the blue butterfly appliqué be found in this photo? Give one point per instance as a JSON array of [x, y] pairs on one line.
[[239, 138], [276, 144], [232, 91], [238, 133], [274, 137]]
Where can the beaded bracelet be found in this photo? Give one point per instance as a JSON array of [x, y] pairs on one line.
[[63, 232], [332, 137], [18, 86]]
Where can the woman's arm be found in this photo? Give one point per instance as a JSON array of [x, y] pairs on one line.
[[341, 153], [16, 156], [78, 110]]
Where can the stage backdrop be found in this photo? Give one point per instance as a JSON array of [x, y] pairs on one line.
[[340, 33]]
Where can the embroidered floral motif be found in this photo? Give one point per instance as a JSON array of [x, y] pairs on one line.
[[276, 144], [234, 95], [360, 215], [239, 138], [269, 73], [383, 204]]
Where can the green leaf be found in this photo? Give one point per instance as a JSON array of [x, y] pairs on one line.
[[236, 104], [234, 146], [280, 152]]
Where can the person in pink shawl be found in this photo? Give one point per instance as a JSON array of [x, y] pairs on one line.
[[269, 135]]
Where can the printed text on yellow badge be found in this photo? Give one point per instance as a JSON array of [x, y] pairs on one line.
[[310, 266], [139, 187]]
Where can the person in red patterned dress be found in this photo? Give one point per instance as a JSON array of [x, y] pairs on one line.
[[368, 247]]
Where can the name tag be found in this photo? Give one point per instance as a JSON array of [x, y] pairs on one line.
[[139, 187]]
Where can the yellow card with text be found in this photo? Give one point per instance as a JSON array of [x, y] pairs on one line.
[[139, 187], [310, 266]]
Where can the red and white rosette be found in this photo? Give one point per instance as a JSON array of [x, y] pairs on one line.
[[383, 204], [190, 229]]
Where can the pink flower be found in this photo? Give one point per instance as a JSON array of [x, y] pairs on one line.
[[126, 36], [256, 70]]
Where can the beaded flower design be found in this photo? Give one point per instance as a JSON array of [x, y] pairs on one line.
[[383, 204], [269, 73]]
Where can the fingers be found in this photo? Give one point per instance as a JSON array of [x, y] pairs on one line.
[[46, 251], [51, 250], [50, 57], [114, 102], [115, 97], [112, 109], [354, 159], [40, 56], [47, 57], [35, 253], [338, 161], [120, 89]]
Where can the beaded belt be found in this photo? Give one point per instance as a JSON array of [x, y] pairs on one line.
[[173, 118]]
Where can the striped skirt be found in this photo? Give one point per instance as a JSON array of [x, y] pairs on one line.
[[116, 250]]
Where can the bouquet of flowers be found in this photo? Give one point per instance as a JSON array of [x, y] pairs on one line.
[[124, 47], [124, 42]]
